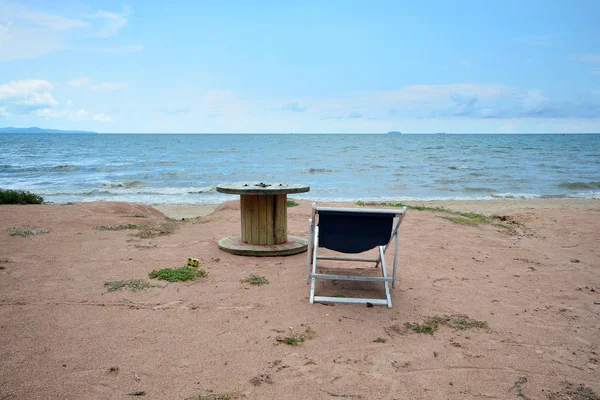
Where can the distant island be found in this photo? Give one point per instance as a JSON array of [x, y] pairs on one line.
[[40, 130], [394, 133]]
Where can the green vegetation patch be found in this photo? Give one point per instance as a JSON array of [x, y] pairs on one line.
[[462, 221], [155, 229], [119, 227], [131, 284], [431, 324], [574, 392], [25, 232], [221, 396], [254, 279], [379, 340], [178, 274], [292, 203], [458, 217], [295, 338], [426, 327], [19, 197]]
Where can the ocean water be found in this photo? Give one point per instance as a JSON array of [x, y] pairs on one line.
[[186, 168]]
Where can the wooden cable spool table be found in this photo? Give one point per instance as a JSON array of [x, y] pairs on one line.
[[263, 210]]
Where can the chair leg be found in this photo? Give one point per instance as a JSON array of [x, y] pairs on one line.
[[384, 273], [313, 281], [395, 258], [309, 251]]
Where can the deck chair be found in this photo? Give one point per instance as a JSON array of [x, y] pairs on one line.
[[352, 231]]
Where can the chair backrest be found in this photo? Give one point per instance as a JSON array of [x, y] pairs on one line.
[[354, 232]]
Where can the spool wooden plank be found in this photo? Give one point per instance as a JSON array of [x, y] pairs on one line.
[[254, 239], [248, 203], [262, 220], [280, 218], [242, 217], [270, 224]]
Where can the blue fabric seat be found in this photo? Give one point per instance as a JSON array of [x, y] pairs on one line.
[[352, 231]]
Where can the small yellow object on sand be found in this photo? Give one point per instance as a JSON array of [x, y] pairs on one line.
[[193, 262]]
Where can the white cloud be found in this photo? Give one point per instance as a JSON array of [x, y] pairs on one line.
[[109, 86], [23, 88], [78, 115], [465, 63], [102, 117], [48, 113], [53, 22], [109, 49], [28, 32], [26, 96], [535, 102], [69, 103], [596, 72], [464, 102], [419, 95], [79, 82], [112, 23]]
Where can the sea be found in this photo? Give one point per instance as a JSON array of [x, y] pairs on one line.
[[185, 169]]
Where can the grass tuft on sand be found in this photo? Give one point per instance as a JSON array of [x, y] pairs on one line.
[[155, 229], [25, 232], [178, 274], [221, 396], [574, 392], [292, 203], [294, 338], [431, 324], [119, 227], [379, 340], [19, 197], [254, 279], [458, 217], [131, 284]]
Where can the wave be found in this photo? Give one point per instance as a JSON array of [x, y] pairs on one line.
[[478, 189], [120, 191], [579, 185], [56, 168], [446, 181], [320, 170], [125, 184], [64, 168]]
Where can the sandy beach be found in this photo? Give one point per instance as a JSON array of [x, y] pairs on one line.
[[529, 288]]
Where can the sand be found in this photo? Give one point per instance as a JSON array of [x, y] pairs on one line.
[[64, 336], [486, 207]]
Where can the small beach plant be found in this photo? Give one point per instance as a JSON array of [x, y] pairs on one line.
[[119, 227], [178, 274], [254, 279], [25, 232], [131, 284], [19, 197]]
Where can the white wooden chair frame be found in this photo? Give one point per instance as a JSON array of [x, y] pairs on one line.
[[312, 257]]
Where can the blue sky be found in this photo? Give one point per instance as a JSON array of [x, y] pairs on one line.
[[306, 66]]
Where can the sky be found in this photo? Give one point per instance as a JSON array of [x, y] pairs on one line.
[[301, 67]]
